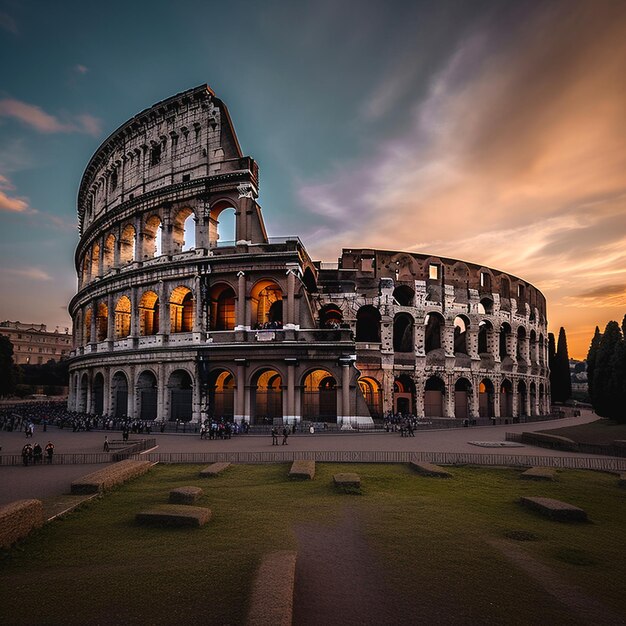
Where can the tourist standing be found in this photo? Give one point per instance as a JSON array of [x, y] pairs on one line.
[[106, 444], [49, 452], [274, 436]]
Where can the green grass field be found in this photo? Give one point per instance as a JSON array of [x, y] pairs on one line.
[[434, 537]]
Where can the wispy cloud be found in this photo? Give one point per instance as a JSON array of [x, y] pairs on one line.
[[515, 158], [29, 273], [35, 117], [8, 23], [80, 69], [8, 202]]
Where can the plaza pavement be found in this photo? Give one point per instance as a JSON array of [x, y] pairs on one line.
[[43, 481]]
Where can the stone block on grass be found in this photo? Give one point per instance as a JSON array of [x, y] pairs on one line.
[[213, 470], [538, 473], [185, 495], [17, 519], [555, 509], [302, 470], [175, 515], [428, 469], [347, 480], [621, 481], [110, 476]]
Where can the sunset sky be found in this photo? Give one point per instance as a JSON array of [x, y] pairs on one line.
[[490, 131]]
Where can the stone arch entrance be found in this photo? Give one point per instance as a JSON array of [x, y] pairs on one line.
[[434, 394], [266, 397], [119, 395], [462, 398], [221, 395], [181, 396], [98, 394], [403, 395], [485, 398], [147, 395], [370, 388], [319, 397]]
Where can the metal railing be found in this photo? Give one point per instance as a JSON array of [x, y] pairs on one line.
[[440, 458]]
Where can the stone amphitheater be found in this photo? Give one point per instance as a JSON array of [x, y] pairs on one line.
[[175, 318]]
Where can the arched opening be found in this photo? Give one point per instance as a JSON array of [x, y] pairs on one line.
[[221, 395], [183, 230], [485, 306], [108, 257], [266, 304], [180, 386], [102, 319], [403, 333], [368, 324], [521, 399], [319, 397], [434, 324], [404, 395], [541, 358], [82, 394], [119, 393], [181, 310], [404, 295], [532, 345], [127, 245], [95, 260], [222, 299], [505, 287], [462, 398], [370, 388], [542, 400], [87, 338], [485, 334], [222, 226], [330, 316], [147, 395], [506, 398], [533, 399], [434, 393], [98, 394], [485, 398], [266, 397], [153, 234], [149, 314], [86, 268], [122, 317], [461, 324]]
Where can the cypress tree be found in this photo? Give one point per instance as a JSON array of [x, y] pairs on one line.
[[562, 366], [607, 382], [591, 364], [554, 383], [7, 367]]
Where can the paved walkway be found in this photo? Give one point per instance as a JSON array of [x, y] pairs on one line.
[[48, 481]]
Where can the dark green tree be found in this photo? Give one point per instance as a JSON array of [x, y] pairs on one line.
[[561, 362], [551, 365], [591, 363], [7, 367], [608, 374]]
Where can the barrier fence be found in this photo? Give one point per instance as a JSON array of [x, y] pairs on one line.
[[440, 458]]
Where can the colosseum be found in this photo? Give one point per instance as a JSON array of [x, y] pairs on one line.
[[175, 318]]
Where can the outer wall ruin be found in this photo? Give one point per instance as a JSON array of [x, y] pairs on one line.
[[174, 320]]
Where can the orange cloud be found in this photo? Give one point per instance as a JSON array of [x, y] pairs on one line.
[[515, 158], [8, 203]]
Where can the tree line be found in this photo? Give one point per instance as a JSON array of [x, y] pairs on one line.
[[606, 371]]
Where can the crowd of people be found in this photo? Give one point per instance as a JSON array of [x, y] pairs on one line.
[[397, 422], [222, 428], [35, 454]]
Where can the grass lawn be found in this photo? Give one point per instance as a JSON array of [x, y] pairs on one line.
[[598, 432], [435, 537]]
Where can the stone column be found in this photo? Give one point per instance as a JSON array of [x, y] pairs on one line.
[[450, 403], [134, 313], [447, 343], [496, 401], [240, 409], [131, 403], [197, 320], [117, 247], [110, 318], [162, 391], [291, 389], [475, 406], [419, 338], [419, 398], [472, 343], [92, 331], [515, 401], [291, 288], [242, 322], [345, 391], [139, 235]]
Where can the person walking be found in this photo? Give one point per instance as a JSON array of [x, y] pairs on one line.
[[106, 444], [49, 452], [285, 435], [37, 454], [274, 436]]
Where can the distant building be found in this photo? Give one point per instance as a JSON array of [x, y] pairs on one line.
[[578, 375], [34, 345]]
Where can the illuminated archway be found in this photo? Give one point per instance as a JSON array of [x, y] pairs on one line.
[[149, 314], [266, 401], [221, 395], [319, 396], [181, 310], [485, 398], [370, 388], [122, 317], [222, 299], [266, 304]]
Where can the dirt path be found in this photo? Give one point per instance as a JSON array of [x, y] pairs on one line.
[[585, 608], [340, 581]]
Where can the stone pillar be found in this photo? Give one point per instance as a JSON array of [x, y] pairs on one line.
[[511, 346], [134, 313], [291, 288], [515, 401], [88, 407], [475, 405], [202, 224], [164, 310], [472, 343], [240, 409], [242, 321], [419, 398], [496, 401], [419, 337], [196, 408], [161, 395], [131, 403], [139, 236], [450, 403], [197, 318], [345, 391], [92, 330], [447, 335], [291, 390], [117, 247], [110, 318]]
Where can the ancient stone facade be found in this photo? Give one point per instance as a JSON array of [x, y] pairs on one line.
[[173, 320]]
